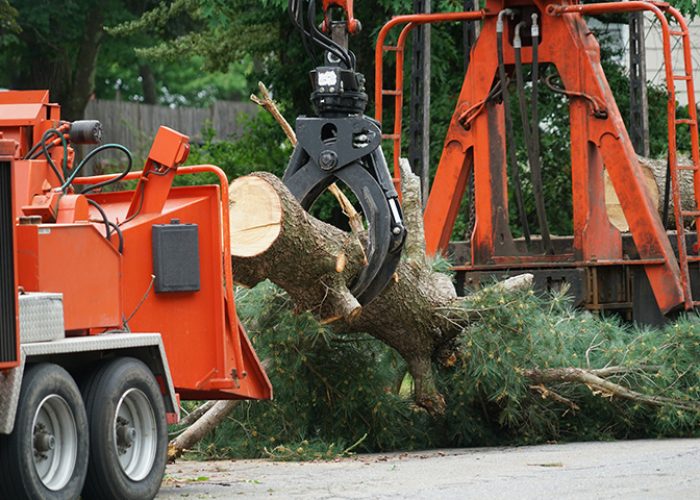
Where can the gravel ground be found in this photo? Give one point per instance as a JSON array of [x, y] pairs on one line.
[[627, 469]]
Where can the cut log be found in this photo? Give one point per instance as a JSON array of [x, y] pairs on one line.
[[418, 314], [269, 104], [256, 216], [654, 178]]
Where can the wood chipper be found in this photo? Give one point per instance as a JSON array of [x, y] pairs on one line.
[[113, 305]]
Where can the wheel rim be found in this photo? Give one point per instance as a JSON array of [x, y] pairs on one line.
[[55, 442], [135, 434]]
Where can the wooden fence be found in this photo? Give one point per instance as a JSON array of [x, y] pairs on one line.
[[134, 124]]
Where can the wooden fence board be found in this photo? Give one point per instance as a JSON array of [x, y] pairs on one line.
[[134, 124]]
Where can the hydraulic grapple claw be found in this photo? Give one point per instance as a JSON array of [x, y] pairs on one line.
[[354, 158], [345, 145]]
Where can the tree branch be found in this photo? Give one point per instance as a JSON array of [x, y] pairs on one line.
[[603, 387], [202, 421], [196, 414], [200, 428], [550, 394], [412, 207]]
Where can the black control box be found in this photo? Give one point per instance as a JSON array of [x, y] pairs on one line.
[[176, 257]]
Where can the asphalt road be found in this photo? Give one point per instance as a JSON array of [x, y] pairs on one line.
[[627, 469]]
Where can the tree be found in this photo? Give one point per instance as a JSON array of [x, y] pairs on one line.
[[8, 21], [70, 51], [57, 49]]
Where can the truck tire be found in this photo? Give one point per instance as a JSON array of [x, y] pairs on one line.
[[128, 432], [46, 456]]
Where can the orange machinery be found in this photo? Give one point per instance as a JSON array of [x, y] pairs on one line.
[[128, 293], [646, 272], [110, 283]]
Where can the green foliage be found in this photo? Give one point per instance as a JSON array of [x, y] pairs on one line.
[[45, 48], [329, 390], [336, 393], [690, 8], [8, 21], [164, 41], [156, 19], [263, 146], [526, 331]]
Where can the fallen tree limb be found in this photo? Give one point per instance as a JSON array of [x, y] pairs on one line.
[[196, 414], [600, 386], [418, 314], [200, 428]]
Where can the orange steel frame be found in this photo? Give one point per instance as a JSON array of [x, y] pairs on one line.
[[596, 143], [209, 354]]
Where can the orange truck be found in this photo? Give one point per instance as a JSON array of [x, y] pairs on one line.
[[114, 305]]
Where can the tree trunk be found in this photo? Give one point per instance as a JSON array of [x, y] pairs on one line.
[[148, 84], [418, 314], [83, 82]]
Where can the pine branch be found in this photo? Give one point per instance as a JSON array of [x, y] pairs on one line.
[[603, 387], [550, 394], [155, 18]]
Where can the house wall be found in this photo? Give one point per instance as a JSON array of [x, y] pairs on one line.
[[618, 34]]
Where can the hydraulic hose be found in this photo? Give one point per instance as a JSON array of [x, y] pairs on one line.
[[535, 119], [45, 151], [667, 193], [92, 154], [533, 157], [510, 138]]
